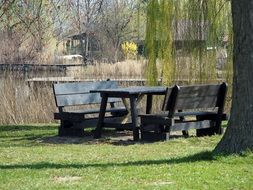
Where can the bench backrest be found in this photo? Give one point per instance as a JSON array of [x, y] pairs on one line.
[[195, 97], [78, 93], [202, 96]]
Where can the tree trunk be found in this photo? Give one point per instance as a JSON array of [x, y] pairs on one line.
[[239, 134]]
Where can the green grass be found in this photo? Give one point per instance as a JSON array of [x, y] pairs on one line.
[[31, 157]]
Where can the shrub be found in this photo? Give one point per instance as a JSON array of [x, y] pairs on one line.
[[129, 49]]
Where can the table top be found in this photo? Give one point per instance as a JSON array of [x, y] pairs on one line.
[[133, 90]]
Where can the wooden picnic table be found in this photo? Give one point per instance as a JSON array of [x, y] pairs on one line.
[[134, 94]]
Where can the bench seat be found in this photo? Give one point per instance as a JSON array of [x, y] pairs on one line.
[[82, 113], [200, 114]]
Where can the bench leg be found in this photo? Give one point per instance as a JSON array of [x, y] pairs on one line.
[[134, 117], [154, 132], [205, 132], [217, 127], [67, 129], [97, 132], [152, 136], [208, 131], [185, 133]]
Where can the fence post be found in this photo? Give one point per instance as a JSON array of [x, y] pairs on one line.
[[26, 71]]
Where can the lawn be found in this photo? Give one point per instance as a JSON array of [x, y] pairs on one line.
[[32, 157]]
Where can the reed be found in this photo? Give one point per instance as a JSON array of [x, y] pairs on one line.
[[129, 69], [21, 104]]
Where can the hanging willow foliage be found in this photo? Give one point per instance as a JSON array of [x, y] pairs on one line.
[[151, 45], [193, 24], [165, 39], [159, 40]]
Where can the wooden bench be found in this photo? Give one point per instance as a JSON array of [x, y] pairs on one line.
[[187, 107], [72, 100]]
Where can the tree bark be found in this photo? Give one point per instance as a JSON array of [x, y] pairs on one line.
[[239, 134]]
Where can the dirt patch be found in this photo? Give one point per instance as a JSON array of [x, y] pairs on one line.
[[118, 138], [108, 137], [160, 183], [66, 179]]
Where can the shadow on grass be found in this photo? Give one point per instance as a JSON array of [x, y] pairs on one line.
[[113, 137], [11, 128], [44, 135], [202, 156], [34, 135]]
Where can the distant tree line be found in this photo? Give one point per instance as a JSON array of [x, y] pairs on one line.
[[28, 28]]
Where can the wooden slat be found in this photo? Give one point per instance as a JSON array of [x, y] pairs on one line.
[[70, 94], [194, 113], [77, 99], [118, 125], [201, 90], [190, 125], [81, 99], [133, 90], [92, 122], [82, 87], [156, 119], [93, 111], [69, 116], [196, 102]]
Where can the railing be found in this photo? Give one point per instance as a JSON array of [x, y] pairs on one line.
[[26, 69], [38, 81], [32, 82]]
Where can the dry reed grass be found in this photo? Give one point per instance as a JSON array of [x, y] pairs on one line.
[[130, 69], [20, 104]]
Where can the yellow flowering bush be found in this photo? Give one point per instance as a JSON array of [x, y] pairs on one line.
[[129, 49]]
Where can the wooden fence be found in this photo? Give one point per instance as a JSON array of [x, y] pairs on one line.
[[26, 70]]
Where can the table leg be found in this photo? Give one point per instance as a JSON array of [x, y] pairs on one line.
[[134, 116], [97, 132], [149, 103]]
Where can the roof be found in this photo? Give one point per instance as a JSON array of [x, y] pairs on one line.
[[190, 30], [77, 36]]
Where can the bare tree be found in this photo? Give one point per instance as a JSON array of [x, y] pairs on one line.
[[85, 17], [116, 23], [26, 27]]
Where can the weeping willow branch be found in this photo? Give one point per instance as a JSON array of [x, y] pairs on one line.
[[195, 25], [151, 45], [159, 40]]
